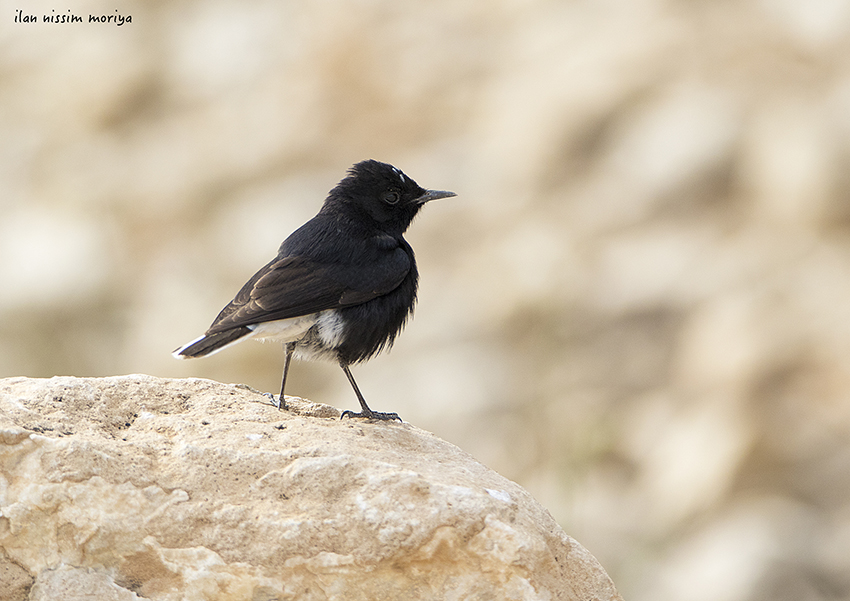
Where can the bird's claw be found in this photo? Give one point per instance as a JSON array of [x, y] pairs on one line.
[[371, 415], [278, 402]]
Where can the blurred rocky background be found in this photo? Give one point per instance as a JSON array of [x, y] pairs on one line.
[[638, 306]]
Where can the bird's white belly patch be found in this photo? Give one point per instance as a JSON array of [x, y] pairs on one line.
[[283, 330], [331, 328]]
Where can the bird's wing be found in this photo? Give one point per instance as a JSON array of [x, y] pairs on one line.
[[292, 286]]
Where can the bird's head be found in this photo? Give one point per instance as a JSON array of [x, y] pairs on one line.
[[382, 192]]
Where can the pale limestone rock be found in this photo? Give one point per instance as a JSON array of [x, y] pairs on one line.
[[15, 581], [78, 584], [140, 487]]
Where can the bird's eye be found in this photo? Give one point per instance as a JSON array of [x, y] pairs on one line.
[[391, 197]]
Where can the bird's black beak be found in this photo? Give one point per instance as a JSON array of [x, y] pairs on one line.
[[433, 195]]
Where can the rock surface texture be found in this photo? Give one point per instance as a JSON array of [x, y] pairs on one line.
[[136, 487]]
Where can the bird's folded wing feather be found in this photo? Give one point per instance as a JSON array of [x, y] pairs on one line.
[[295, 285]]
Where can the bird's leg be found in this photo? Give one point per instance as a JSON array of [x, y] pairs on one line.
[[366, 412], [289, 347]]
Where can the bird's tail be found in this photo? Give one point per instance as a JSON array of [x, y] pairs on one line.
[[210, 343]]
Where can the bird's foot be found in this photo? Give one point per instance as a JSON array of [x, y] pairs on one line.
[[279, 402], [369, 414]]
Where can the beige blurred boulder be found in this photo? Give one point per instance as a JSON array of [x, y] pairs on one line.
[[139, 487]]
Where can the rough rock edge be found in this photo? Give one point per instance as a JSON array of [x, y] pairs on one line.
[[86, 420]]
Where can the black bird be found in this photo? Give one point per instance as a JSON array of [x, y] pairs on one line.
[[341, 286]]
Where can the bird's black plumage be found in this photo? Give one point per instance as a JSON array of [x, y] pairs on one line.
[[341, 286]]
